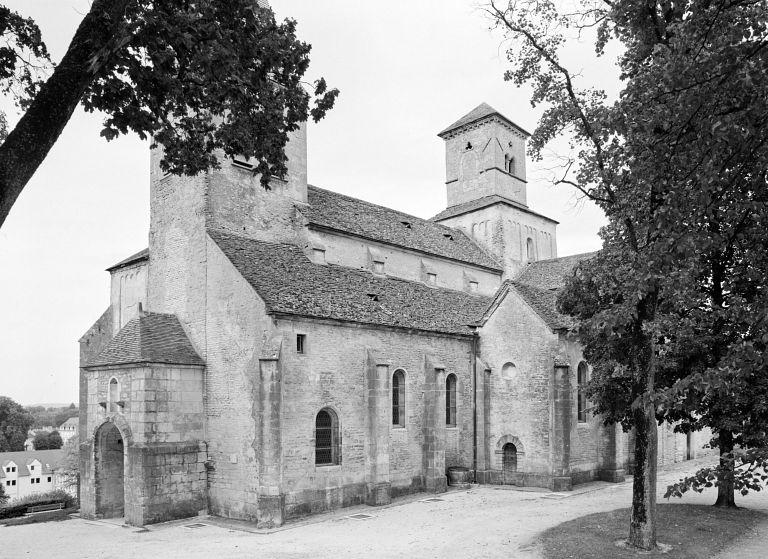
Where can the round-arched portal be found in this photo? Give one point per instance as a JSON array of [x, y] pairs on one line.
[[109, 469]]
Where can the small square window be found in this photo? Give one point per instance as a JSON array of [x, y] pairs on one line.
[[13, 482], [31, 467], [473, 286], [7, 483], [432, 278], [301, 343], [319, 255], [49, 479], [378, 267], [32, 480]]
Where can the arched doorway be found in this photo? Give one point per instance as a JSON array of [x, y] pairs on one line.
[[110, 467], [509, 463]]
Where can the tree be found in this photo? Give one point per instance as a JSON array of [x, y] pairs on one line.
[[3, 497], [15, 421], [198, 77], [47, 441], [684, 139], [69, 467]]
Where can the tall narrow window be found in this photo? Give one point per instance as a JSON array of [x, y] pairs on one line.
[[581, 394], [530, 249], [398, 398], [301, 343], [450, 400], [511, 166], [327, 450], [114, 393]]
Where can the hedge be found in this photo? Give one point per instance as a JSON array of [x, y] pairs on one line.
[[18, 507]]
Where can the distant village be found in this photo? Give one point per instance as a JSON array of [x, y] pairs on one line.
[[46, 459]]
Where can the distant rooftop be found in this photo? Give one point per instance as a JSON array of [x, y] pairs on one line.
[[133, 259]]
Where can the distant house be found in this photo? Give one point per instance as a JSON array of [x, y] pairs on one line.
[[68, 429], [27, 472], [29, 444]]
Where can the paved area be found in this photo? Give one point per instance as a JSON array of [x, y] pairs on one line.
[[485, 521]]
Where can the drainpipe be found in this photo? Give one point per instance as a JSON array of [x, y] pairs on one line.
[[473, 357]]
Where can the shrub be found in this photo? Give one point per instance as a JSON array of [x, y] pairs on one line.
[[18, 507]]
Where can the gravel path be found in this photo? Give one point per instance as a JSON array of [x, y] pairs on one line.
[[485, 521]]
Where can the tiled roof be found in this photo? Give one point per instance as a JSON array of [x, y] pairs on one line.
[[71, 421], [133, 259], [539, 283], [551, 274], [484, 202], [150, 338], [290, 283], [48, 459], [363, 219], [481, 111]]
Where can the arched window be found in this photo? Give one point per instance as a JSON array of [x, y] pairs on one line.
[[398, 398], [450, 400], [511, 166], [582, 376], [327, 451], [530, 249], [114, 394], [509, 459]]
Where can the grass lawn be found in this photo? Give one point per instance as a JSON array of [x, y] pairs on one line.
[[50, 516], [692, 531]]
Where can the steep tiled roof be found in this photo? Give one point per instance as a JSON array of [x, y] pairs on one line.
[[481, 111], [290, 283], [484, 202], [133, 259], [48, 459], [150, 338], [551, 274], [71, 421], [539, 283], [363, 219]]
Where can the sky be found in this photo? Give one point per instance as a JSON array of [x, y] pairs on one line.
[[406, 69]]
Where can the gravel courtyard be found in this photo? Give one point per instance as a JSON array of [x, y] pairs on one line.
[[485, 521]]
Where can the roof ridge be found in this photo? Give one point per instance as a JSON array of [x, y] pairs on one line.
[[348, 197]]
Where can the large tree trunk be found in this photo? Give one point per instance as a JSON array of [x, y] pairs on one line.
[[725, 488], [642, 523], [29, 142]]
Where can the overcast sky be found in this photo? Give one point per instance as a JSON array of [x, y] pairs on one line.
[[406, 69]]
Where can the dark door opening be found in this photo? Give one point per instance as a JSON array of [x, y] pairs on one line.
[[110, 477], [509, 464]]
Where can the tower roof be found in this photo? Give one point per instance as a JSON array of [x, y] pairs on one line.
[[483, 110]]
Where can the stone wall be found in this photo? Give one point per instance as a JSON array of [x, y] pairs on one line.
[[411, 265], [503, 230], [128, 292], [334, 373], [160, 420], [519, 348], [238, 329]]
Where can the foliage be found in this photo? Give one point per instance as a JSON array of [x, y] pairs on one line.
[[746, 469], [15, 421], [3, 496], [52, 416], [68, 468], [677, 163], [47, 441], [18, 507], [199, 78]]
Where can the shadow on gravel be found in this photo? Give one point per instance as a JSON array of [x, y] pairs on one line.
[[691, 532]]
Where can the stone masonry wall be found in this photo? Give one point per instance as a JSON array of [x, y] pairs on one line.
[[128, 290], [160, 418], [237, 331], [519, 348], [332, 373], [410, 265]]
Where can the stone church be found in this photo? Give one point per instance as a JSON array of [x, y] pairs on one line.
[[276, 353]]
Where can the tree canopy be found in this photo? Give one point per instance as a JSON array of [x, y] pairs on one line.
[[44, 440], [199, 78], [678, 164], [15, 422]]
